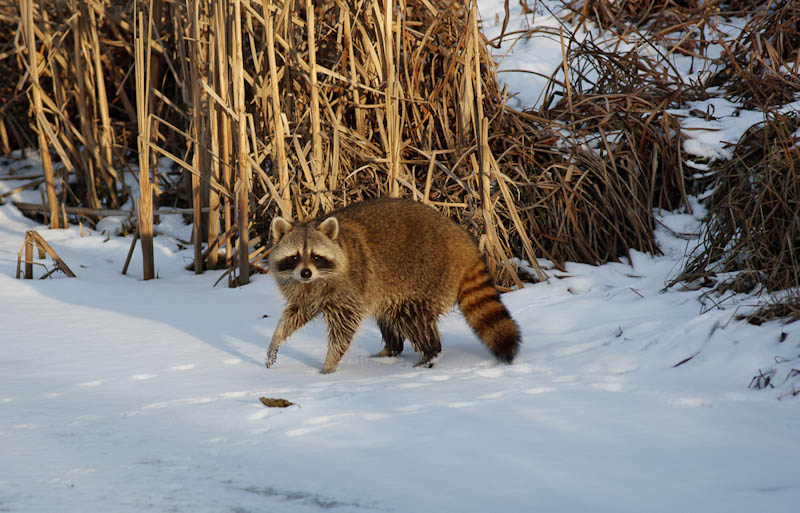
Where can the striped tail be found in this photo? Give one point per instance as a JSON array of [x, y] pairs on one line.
[[479, 301]]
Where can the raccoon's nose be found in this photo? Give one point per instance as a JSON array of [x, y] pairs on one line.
[[305, 273]]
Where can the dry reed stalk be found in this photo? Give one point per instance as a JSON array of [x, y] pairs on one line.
[[475, 114], [351, 61], [6, 145], [87, 164], [44, 151], [243, 163], [277, 121], [106, 133], [212, 258], [316, 141], [392, 115], [143, 51], [193, 8], [223, 121]]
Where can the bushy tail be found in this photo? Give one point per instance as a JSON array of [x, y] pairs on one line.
[[479, 301]]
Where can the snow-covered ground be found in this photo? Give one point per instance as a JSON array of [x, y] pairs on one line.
[[120, 395]]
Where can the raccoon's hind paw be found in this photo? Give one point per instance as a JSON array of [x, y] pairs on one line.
[[427, 360], [272, 355]]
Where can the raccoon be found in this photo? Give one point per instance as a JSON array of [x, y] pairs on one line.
[[394, 259]]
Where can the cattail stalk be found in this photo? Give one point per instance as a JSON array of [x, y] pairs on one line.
[[44, 151]]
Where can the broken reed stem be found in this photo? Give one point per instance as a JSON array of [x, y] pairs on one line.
[[28, 258], [32, 238], [130, 251], [44, 245]]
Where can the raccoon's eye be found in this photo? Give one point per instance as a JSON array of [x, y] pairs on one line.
[[288, 263], [321, 262]]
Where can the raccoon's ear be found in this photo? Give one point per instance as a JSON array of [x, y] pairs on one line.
[[278, 228], [329, 228]]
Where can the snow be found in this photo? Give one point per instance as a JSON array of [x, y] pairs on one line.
[[120, 395], [524, 63], [123, 395], [723, 122]]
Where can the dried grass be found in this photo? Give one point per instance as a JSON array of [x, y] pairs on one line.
[[754, 213], [302, 107], [297, 109], [763, 65], [608, 154], [753, 229]]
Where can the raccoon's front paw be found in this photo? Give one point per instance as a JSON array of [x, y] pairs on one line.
[[328, 369], [272, 355]]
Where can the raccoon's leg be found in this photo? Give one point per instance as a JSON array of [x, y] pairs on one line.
[[342, 326], [427, 342], [392, 338], [416, 321], [292, 319]]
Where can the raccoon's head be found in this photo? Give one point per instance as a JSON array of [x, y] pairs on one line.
[[305, 252]]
